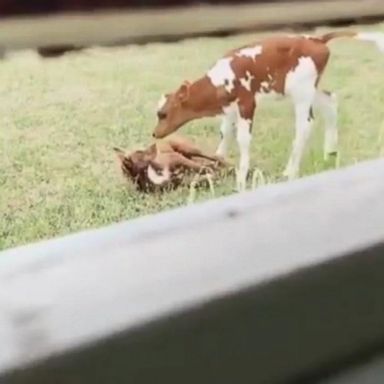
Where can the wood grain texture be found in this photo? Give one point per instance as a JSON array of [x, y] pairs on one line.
[[268, 287]]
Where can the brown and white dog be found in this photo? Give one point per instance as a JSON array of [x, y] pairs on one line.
[[283, 65], [166, 163]]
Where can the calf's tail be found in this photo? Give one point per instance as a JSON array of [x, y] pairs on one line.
[[374, 37]]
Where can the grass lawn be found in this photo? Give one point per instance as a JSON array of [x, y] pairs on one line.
[[61, 117]]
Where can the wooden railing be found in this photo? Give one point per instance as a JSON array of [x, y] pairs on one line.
[[145, 24], [272, 286]]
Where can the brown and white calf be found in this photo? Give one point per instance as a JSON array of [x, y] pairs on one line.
[[283, 65]]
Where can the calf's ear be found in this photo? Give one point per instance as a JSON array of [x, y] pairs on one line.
[[183, 92]]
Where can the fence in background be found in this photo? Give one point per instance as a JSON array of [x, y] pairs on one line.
[[279, 285], [57, 32]]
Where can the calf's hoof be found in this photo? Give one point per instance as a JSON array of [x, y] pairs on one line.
[[328, 156]]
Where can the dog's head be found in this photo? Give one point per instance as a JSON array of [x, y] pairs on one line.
[[135, 166]]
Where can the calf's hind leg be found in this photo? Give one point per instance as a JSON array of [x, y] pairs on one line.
[[326, 103], [301, 86], [303, 126]]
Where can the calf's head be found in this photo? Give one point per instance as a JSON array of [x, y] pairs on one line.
[[174, 110]]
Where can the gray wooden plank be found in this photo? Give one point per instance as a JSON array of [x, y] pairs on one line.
[[369, 372], [265, 286]]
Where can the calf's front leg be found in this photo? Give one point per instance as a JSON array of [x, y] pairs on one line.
[[226, 131], [246, 111]]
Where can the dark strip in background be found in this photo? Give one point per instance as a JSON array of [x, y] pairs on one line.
[[44, 7]]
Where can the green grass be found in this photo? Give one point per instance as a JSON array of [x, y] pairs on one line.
[[61, 117]]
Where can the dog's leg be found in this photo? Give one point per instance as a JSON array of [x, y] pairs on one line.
[[189, 150], [177, 159]]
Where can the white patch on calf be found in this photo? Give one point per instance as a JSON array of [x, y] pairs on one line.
[[161, 102], [221, 74], [301, 80], [264, 86], [246, 82], [156, 178], [267, 95], [295, 36], [251, 52], [265, 92], [232, 109], [375, 37]]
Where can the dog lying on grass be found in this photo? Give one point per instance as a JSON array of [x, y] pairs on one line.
[[167, 164]]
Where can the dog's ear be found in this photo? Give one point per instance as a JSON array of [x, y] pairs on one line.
[[120, 154], [125, 163]]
